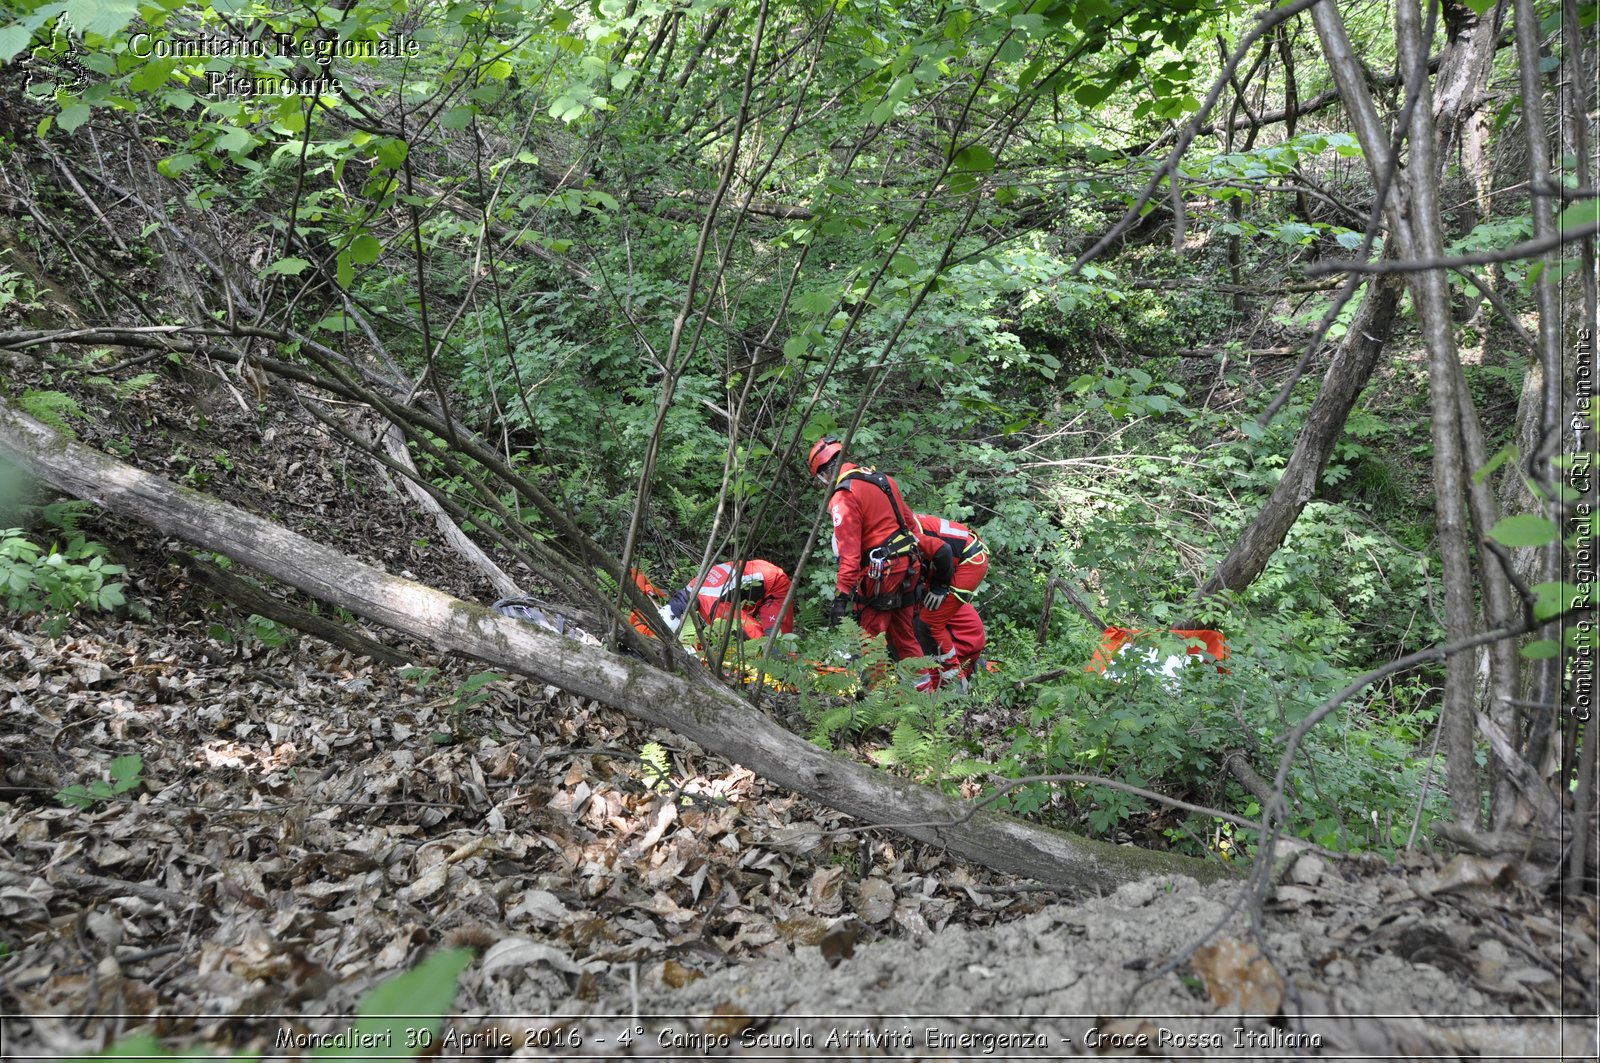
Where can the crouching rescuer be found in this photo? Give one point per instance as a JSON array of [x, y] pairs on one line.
[[876, 544], [750, 592], [954, 563]]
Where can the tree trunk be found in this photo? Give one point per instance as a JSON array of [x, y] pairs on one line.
[[1431, 294], [715, 718], [1459, 99], [1458, 105], [1501, 608], [1414, 226], [1341, 386], [1556, 412]]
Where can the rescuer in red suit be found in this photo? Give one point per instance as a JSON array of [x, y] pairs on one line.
[[875, 541], [755, 588], [954, 563]]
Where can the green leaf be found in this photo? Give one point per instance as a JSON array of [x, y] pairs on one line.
[[101, 63], [235, 140], [1089, 9], [291, 267], [126, 769], [364, 249], [290, 118], [1294, 232], [152, 75], [961, 182], [1558, 271], [416, 999], [104, 17], [1506, 453], [1555, 598], [457, 118], [75, 797], [976, 158], [1525, 529], [345, 270], [177, 164], [73, 115], [1480, 7], [479, 680], [566, 109], [1580, 215], [13, 39], [392, 152], [903, 265], [1541, 650], [1094, 95], [816, 301]]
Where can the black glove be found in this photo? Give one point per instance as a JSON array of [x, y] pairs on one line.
[[841, 606], [934, 597]]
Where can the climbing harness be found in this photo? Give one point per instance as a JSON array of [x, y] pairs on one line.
[[881, 558]]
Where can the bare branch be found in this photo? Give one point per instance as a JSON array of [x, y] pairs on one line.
[[1265, 22], [1527, 249]]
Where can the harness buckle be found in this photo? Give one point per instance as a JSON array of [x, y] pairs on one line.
[[877, 563]]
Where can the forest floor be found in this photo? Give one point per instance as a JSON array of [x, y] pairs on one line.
[[303, 825]]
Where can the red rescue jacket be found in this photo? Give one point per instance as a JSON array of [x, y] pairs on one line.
[[950, 547], [762, 588], [865, 518]]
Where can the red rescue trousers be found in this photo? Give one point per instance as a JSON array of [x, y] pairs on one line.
[[955, 625], [901, 627], [964, 628]]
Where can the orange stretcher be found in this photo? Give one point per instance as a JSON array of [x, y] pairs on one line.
[[1199, 642]]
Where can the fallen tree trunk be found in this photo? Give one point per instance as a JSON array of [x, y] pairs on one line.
[[715, 718]]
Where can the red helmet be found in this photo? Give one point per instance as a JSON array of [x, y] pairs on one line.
[[826, 449]]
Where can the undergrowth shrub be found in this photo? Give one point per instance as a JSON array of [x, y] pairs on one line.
[[56, 579], [1356, 782], [851, 690]]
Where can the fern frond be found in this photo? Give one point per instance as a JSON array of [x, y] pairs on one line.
[[835, 720], [67, 515], [910, 746], [967, 769], [52, 408]]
